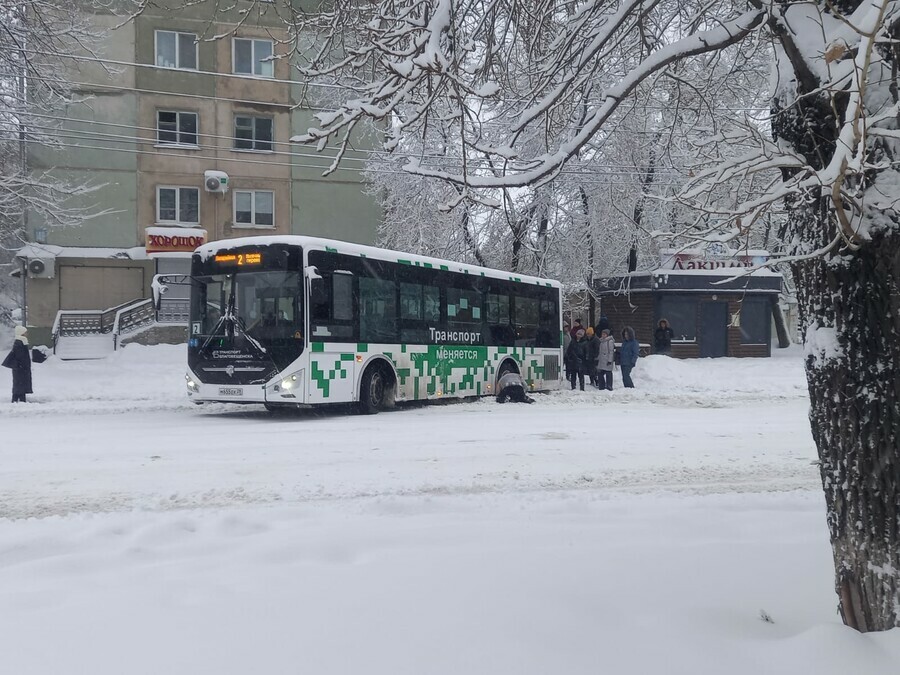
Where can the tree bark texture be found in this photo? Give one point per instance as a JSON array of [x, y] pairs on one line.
[[850, 305]]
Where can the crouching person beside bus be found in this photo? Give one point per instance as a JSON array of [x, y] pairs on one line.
[[511, 387]]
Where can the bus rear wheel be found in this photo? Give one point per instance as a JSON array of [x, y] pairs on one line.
[[374, 391]]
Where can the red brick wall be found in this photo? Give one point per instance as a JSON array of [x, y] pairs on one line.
[[639, 311], [621, 313]]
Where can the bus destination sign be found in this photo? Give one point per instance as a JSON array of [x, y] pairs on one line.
[[253, 258]]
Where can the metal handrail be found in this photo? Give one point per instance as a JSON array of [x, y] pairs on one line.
[[131, 317], [97, 321]]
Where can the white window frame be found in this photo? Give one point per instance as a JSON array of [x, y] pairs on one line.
[[254, 141], [178, 133], [253, 224], [178, 65], [178, 189], [253, 60]]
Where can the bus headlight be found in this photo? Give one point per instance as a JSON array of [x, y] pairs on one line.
[[288, 384], [192, 386]]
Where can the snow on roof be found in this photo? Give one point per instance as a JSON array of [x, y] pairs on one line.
[[317, 243], [34, 250]]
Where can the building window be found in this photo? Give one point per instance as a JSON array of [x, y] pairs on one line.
[[681, 313], [176, 128], [253, 57], [254, 208], [176, 50], [755, 328], [178, 205], [253, 133]]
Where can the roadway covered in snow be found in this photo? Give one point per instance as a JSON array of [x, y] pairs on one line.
[[638, 531]]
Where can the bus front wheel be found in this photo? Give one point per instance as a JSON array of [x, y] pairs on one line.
[[374, 391]]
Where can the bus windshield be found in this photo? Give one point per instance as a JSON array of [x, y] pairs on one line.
[[258, 313]]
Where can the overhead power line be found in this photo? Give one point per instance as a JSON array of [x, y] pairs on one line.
[[590, 180], [191, 151], [300, 83]]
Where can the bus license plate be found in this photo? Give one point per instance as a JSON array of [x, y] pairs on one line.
[[231, 391]]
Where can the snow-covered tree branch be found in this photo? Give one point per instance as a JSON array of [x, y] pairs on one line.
[[517, 104]]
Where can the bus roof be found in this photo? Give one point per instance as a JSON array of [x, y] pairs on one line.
[[317, 243]]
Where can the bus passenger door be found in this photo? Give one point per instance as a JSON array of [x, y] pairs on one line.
[[331, 330], [332, 373]]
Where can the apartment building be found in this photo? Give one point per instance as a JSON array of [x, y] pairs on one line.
[[183, 139]]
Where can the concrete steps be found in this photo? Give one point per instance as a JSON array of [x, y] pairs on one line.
[[157, 334], [78, 347]]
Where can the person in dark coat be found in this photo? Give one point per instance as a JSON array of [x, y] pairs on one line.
[[602, 325], [577, 326], [576, 359], [662, 338], [19, 360], [629, 352], [593, 354]]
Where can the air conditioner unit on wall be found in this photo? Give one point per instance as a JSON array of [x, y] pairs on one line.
[[41, 268], [215, 181]]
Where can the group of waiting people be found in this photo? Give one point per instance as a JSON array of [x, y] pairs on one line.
[[591, 353]]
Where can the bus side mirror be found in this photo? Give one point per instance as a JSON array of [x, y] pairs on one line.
[[159, 290], [318, 293]]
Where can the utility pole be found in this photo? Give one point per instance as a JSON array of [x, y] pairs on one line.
[[22, 91]]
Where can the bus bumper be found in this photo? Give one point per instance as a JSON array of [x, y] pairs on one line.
[[200, 392], [280, 390]]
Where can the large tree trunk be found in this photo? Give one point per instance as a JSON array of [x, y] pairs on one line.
[[850, 306]]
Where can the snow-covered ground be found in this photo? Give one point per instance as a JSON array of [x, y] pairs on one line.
[[641, 531]]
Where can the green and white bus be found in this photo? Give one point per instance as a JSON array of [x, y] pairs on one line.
[[299, 321]]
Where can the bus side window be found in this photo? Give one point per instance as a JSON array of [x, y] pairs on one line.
[[548, 334], [319, 299], [500, 330], [377, 310], [331, 306], [342, 297], [526, 321]]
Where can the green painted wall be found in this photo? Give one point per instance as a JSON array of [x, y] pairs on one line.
[[335, 206], [109, 175]]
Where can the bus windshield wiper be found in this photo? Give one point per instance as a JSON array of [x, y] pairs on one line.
[[233, 326]]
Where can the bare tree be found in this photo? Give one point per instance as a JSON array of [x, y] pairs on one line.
[[36, 39], [527, 87]]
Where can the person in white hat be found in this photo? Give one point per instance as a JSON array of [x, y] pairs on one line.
[[19, 360]]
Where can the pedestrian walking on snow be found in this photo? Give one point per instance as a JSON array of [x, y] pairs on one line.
[[19, 360], [629, 353]]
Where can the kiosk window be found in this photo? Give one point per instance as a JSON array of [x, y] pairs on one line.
[[755, 322], [681, 313]]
